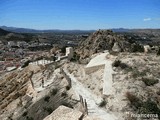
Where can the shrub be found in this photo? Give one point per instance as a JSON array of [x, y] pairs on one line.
[[68, 87], [76, 57], [10, 117], [129, 69], [29, 118], [158, 53], [134, 100], [143, 73], [150, 107], [113, 53], [26, 63], [137, 48], [47, 98], [123, 66], [63, 49], [116, 63], [48, 109], [25, 114], [137, 73], [147, 107], [102, 103], [54, 91], [64, 94], [17, 95], [158, 92], [150, 82]]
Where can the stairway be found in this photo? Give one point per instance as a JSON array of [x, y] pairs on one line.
[[91, 99]]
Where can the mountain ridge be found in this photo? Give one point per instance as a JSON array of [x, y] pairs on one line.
[[76, 31], [28, 30]]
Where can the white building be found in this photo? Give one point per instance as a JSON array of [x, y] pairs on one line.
[[69, 52], [11, 43], [21, 44]]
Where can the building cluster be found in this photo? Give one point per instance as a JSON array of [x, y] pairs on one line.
[[16, 54], [12, 53]]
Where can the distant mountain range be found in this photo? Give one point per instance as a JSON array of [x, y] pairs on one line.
[[27, 30], [18, 30], [59, 36], [57, 31]]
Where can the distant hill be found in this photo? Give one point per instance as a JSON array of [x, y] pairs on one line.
[[56, 31], [19, 30], [6, 35], [121, 30], [3, 32]]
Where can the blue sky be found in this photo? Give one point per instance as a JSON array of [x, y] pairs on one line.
[[80, 14]]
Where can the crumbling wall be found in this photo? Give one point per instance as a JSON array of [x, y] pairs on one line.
[[89, 70]]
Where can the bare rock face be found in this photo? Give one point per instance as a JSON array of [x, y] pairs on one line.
[[116, 47], [64, 113], [106, 40]]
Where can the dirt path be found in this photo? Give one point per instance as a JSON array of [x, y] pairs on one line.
[[108, 78]]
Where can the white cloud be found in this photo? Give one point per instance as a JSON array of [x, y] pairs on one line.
[[147, 19]]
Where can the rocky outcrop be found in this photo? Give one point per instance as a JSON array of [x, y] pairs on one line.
[[147, 48], [116, 47], [64, 113], [13, 86], [106, 40]]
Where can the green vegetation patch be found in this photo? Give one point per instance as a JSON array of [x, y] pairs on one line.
[[143, 107], [102, 103], [54, 91], [47, 98], [48, 109], [118, 63], [150, 82]]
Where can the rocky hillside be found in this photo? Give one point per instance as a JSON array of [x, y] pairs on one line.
[[136, 85], [11, 36], [106, 40], [23, 97]]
